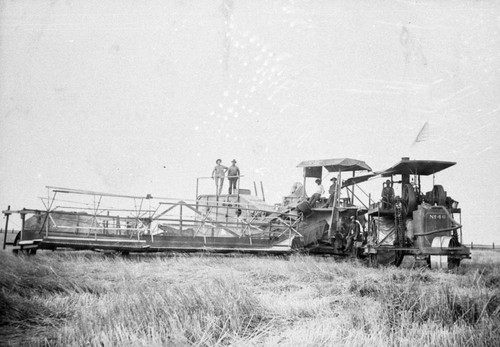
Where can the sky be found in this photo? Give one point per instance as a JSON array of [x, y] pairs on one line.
[[138, 97]]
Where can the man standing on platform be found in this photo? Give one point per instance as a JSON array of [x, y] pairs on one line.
[[233, 174], [218, 175], [332, 190]]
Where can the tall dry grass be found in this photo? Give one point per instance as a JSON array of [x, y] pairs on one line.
[[77, 299]]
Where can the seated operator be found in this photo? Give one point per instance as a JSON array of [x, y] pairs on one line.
[[317, 194], [387, 195]]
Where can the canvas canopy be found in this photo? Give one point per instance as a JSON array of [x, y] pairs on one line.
[[417, 167], [312, 168], [404, 167]]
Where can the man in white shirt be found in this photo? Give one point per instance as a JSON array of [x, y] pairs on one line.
[[218, 174], [317, 194]]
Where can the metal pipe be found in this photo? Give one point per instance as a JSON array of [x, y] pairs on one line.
[[7, 214], [438, 231], [262, 189]]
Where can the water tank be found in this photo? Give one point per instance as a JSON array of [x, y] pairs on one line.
[[426, 220]]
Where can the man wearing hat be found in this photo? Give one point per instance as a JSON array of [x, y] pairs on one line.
[[355, 234], [332, 190], [233, 173], [218, 174], [317, 194], [387, 195]]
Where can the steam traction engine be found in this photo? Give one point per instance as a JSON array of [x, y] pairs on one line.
[[416, 223]]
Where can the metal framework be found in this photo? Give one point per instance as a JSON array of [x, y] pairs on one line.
[[93, 220]]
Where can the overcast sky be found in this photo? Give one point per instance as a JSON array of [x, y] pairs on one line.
[[140, 97]]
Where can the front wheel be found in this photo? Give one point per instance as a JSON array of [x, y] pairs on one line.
[[445, 262], [29, 251]]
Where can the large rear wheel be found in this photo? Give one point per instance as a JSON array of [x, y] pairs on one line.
[[409, 198]]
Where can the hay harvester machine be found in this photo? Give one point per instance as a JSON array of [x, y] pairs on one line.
[[87, 220], [422, 225]]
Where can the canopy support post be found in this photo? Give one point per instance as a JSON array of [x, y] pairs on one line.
[[7, 214]]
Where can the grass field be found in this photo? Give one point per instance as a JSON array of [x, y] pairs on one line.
[[93, 299]]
